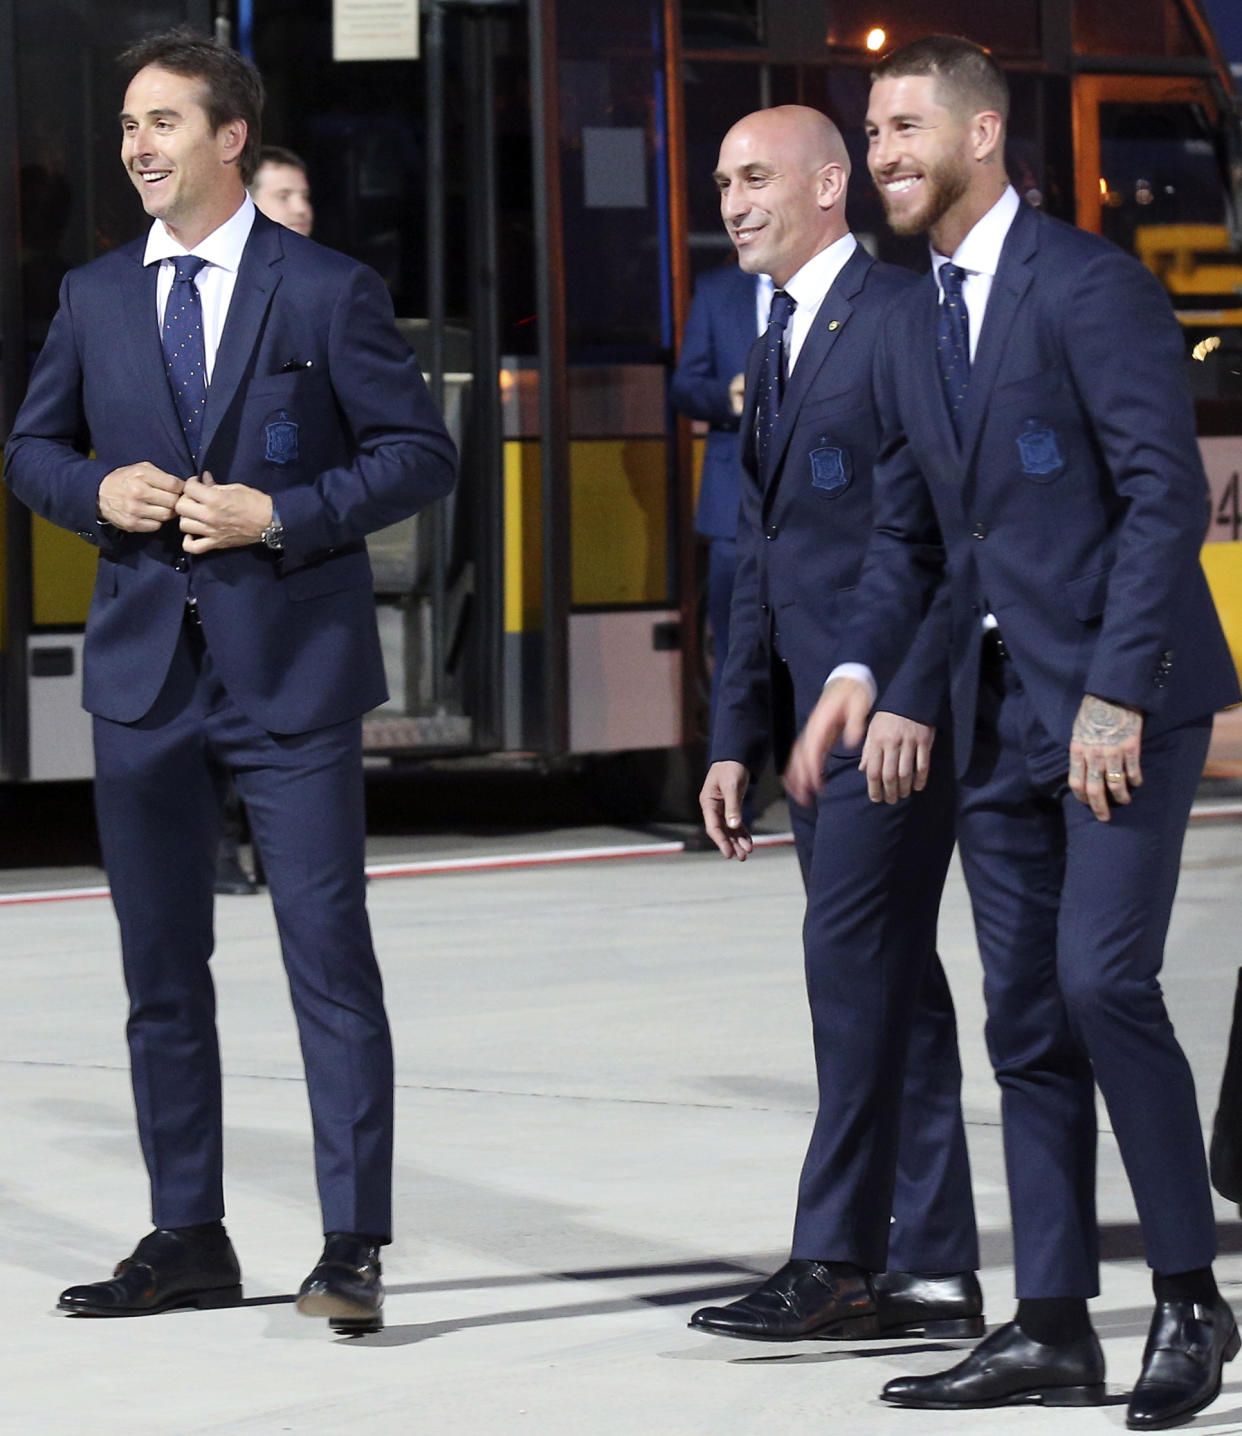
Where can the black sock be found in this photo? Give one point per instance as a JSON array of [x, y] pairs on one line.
[[1053, 1320], [1198, 1285]]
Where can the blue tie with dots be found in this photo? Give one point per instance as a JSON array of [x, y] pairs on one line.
[[185, 356], [771, 375], [953, 338]]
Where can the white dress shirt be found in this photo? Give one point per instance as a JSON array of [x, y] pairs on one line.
[[808, 289], [222, 249], [763, 301]]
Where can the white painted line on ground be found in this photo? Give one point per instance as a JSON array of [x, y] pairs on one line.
[[490, 863], [497, 861]]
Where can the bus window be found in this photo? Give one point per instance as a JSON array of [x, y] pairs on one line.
[[1158, 168]]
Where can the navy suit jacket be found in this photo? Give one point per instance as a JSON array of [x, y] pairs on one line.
[[720, 329], [346, 443], [1073, 507], [804, 525]]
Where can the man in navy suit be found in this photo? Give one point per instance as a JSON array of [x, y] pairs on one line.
[[226, 409], [1040, 494], [884, 1236], [728, 310]]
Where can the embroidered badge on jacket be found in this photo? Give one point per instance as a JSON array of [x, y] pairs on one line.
[[281, 433], [1038, 450], [831, 468]]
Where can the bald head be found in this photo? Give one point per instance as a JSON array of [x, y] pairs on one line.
[[782, 177]]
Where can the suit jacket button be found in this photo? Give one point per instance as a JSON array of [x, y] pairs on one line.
[[979, 531], [182, 565], [763, 608], [770, 532]]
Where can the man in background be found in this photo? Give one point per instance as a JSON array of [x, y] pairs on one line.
[[281, 189], [728, 311]]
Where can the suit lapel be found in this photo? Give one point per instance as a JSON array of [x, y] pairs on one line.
[[1013, 279], [258, 276], [829, 324], [142, 353]]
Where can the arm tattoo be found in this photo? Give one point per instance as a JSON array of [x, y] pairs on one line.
[[1107, 723]]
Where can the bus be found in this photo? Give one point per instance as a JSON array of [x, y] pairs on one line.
[[535, 189]]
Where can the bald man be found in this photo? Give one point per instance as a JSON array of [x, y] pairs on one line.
[[884, 1239]]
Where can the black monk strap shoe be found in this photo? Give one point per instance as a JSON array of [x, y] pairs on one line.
[[1186, 1348], [949, 1305], [170, 1267], [345, 1285], [1009, 1369], [804, 1299]]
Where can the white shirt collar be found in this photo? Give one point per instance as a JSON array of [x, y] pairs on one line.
[[980, 251], [816, 277], [222, 247]]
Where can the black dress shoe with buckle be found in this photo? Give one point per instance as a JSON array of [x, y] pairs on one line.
[[170, 1267], [804, 1299], [1009, 1369], [1186, 1348], [949, 1305], [345, 1285]]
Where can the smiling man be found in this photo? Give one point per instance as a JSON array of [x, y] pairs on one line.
[[884, 1237], [227, 410], [1041, 492]]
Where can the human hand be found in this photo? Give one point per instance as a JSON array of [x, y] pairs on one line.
[[841, 713], [896, 757], [221, 515], [138, 498], [1104, 754], [721, 800]]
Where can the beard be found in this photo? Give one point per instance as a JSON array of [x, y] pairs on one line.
[[943, 185]]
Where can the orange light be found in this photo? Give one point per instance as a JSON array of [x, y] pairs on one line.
[[876, 39], [1103, 187]]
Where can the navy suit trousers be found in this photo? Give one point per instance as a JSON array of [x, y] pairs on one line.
[[886, 1181], [1071, 916], [157, 792]]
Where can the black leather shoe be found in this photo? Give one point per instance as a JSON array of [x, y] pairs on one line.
[[345, 1286], [232, 879], [804, 1299], [171, 1266], [1186, 1348], [937, 1306], [1009, 1369]]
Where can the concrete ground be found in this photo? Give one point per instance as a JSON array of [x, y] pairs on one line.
[[604, 1089]]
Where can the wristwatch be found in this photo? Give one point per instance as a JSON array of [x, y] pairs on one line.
[[273, 536]]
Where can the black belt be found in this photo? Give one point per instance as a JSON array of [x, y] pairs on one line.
[[992, 650]]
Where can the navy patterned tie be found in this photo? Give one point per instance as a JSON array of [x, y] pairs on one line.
[[771, 375], [184, 354], [953, 338]]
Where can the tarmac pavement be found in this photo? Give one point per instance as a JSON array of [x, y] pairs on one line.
[[604, 1092]]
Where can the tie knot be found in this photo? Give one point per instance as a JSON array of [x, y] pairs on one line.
[[187, 267], [951, 278], [783, 305]]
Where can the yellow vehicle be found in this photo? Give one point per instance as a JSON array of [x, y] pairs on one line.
[[536, 190]]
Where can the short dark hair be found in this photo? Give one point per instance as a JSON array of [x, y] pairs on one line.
[[966, 75], [278, 155], [233, 88]]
